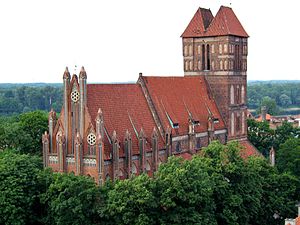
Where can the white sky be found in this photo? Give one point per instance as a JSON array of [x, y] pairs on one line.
[[116, 39]]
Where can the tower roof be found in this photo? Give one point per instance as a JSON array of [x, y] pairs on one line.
[[203, 24]]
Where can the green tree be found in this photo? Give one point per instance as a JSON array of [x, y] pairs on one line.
[[288, 157], [32, 125], [19, 188], [132, 202], [70, 199], [271, 105], [261, 136], [285, 100], [184, 189]]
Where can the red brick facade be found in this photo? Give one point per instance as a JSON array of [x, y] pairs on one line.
[[112, 131]]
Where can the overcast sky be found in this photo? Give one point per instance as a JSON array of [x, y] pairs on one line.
[[116, 39]]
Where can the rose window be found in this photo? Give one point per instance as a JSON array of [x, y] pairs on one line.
[[75, 96], [91, 139]]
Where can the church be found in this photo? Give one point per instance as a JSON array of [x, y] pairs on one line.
[[114, 131]]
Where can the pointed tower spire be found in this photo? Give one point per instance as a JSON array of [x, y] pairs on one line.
[[82, 73], [66, 74]]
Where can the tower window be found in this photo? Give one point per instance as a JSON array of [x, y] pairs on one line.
[[186, 65], [238, 99], [225, 65], [221, 65], [190, 50], [199, 49], [191, 65], [225, 48], [232, 124], [220, 48], [185, 51], [231, 94], [199, 65], [243, 94], [203, 57], [208, 58]]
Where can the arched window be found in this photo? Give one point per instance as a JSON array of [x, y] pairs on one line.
[[107, 177], [212, 48], [178, 146], [225, 48], [225, 65], [185, 51], [148, 167], [232, 124], [199, 65], [208, 57], [238, 123], [243, 94], [221, 65], [186, 65], [231, 94], [199, 49], [238, 93], [191, 65], [190, 50], [220, 48], [134, 169], [203, 57], [198, 144]]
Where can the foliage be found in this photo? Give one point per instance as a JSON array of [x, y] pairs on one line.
[[70, 199], [19, 188], [264, 138], [23, 132], [132, 202], [274, 90], [16, 99], [270, 104], [288, 157], [184, 192], [260, 135]]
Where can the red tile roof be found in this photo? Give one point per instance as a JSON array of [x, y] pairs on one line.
[[185, 155], [199, 23], [248, 149], [268, 118], [121, 103], [175, 97], [224, 23]]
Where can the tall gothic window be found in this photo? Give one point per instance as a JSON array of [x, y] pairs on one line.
[[208, 57], [203, 57], [231, 94], [232, 124]]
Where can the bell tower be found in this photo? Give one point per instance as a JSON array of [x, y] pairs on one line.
[[217, 48]]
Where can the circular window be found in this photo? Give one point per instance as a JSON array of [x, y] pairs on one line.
[[75, 96], [91, 139]]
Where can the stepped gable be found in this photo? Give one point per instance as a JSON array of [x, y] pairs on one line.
[[224, 23], [124, 107], [175, 97]]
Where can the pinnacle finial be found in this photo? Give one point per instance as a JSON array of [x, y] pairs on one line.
[[66, 74], [82, 73]]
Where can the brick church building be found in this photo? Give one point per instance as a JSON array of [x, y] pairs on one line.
[[112, 131]]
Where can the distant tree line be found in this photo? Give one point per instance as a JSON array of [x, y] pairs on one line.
[[275, 95], [19, 98], [22, 98]]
